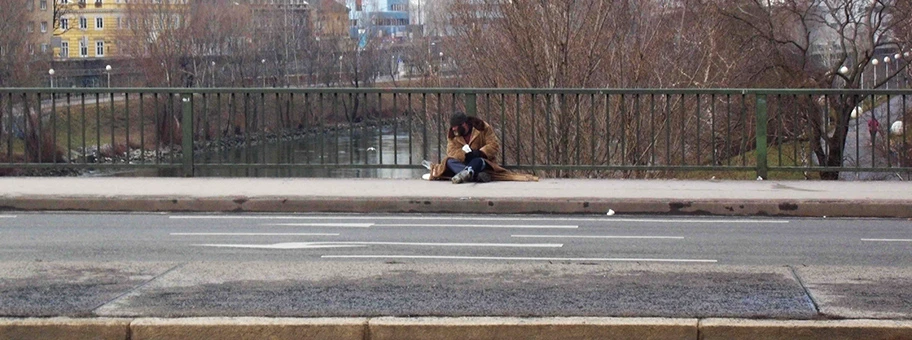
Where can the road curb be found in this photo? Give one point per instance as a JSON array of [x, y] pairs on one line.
[[712, 329], [470, 328], [64, 328], [597, 206]]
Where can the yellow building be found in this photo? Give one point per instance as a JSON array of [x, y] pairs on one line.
[[87, 29]]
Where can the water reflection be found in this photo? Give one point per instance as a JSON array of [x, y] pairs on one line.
[[358, 146]]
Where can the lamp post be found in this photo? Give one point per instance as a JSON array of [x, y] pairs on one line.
[[887, 72], [340, 70], [263, 61], [874, 82], [213, 73], [108, 72], [51, 74]]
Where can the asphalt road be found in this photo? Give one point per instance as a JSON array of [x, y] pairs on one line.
[[249, 237], [175, 265]]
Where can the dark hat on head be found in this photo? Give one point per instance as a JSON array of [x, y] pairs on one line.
[[458, 118]]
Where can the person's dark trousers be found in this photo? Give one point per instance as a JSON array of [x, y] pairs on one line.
[[478, 165]]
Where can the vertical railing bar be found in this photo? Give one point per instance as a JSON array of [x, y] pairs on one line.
[[395, 129], [411, 114], [886, 134], [607, 129], [761, 113], [424, 128], [652, 128], [127, 123], [218, 127], [698, 136], [712, 128], [592, 123], [534, 130], [155, 128], [873, 143], [247, 147], [858, 114], [69, 126], [903, 122], [321, 130], [440, 145], [263, 128], [728, 132], [289, 108], [503, 128], [308, 109], [39, 131], [548, 105], [744, 130], [352, 98], [639, 128], [379, 127], [85, 160], [579, 121], [113, 144], [780, 128], [10, 128], [278, 130], [98, 127], [142, 128], [516, 130], [668, 127], [623, 114], [54, 125], [683, 128]]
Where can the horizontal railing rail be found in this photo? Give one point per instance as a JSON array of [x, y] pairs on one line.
[[389, 132]]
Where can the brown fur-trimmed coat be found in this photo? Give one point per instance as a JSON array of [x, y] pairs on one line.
[[484, 139]]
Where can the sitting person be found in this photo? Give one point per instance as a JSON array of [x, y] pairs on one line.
[[472, 150]]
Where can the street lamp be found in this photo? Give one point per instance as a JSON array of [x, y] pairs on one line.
[[887, 72], [264, 71], [51, 74], [874, 82], [108, 72], [340, 70], [213, 73]]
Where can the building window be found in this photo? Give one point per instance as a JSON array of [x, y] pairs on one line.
[[83, 49], [43, 4], [99, 48], [64, 49], [64, 24], [44, 48], [99, 23], [30, 27], [83, 23], [64, 1], [30, 5], [44, 27]]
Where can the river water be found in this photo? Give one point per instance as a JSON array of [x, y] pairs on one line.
[[358, 146]]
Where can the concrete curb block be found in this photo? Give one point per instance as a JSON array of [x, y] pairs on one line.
[[249, 328], [64, 328], [470, 328], [712, 329], [796, 208], [544, 328]]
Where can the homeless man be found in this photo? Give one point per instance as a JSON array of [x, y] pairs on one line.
[[472, 150]]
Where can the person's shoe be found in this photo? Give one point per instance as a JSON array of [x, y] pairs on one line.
[[483, 177], [463, 176]]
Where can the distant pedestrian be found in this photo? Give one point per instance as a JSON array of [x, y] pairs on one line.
[[873, 126]]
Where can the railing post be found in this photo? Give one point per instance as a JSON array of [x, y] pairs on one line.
[[187, 130], [762, 167], [471, 105]]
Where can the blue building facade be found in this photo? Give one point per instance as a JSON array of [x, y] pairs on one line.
[[386, 19]]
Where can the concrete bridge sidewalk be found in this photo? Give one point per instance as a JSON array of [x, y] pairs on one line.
[[783, 198], [573, 196]]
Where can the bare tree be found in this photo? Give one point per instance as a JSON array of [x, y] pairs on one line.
[[824, 44]]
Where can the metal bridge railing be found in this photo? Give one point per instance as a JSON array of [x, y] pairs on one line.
[[641, 133]]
